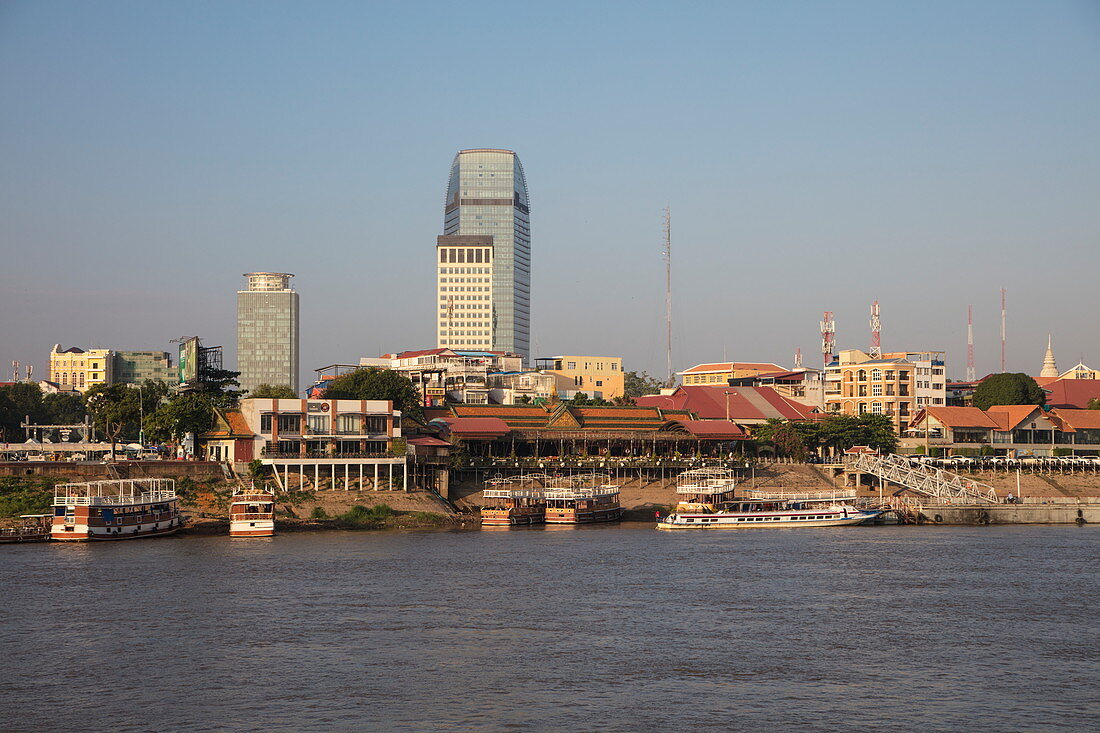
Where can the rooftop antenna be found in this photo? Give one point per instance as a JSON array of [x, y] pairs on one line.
[[1003, 320], [668, 288], [30, 371], [15, 371], [971, 375], [828, 337], [876, 333], [798, 358]]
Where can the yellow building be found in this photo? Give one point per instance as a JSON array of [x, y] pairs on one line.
[[723, 371], [80, 369], [597, 376], [855, 384]]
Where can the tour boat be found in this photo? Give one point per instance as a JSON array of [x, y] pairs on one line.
[[115, 510], [582, 500], [710, 502], [512, 505], [252, 512]]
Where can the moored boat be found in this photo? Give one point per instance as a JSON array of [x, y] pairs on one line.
[[711, 502], [513, 501], [582, 499], [115, 510], [29, 528], [252, 512]]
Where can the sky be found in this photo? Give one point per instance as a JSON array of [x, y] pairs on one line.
[[815, 156]]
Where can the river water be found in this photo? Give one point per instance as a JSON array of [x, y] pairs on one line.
[[612, 628]]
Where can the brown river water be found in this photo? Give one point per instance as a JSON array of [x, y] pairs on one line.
[[612, 628]]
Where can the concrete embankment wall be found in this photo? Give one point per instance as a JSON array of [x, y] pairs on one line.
[[1067, 513], [94, 471]]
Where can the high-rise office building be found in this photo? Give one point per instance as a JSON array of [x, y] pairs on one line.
[[483, 259], [267, 331]]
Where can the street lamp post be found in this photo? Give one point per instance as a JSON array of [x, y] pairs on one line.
[[141, 419]]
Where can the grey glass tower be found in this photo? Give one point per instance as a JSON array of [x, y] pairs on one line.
[[267, 331], [487, 200]]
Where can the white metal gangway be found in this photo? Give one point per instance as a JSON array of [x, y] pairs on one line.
[[923, 479]]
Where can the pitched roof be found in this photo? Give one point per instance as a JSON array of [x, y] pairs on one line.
[[1072, 392], [714, 429], [729, 366], [1008, 417], [959, 417], [709, 402], [427, 440], [1074, 420], [471, 427]]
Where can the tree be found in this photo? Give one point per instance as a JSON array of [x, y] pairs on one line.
[[220, 387], [19, 402], [374, 383], [63, 408], [636, 384], [844, 431], [277, 392], [581, 399], [186, 412], [1094, 404], [1008, 389], [783, 435]]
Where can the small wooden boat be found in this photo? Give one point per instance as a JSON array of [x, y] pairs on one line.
[[30, 528], [252, 512]]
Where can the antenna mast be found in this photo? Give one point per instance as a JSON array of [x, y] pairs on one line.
[[668, 288], [876, 333], [971, 375], [798, 358], [1003, 319], [828, 337]]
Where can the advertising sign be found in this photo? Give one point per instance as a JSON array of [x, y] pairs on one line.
[[189, 361]]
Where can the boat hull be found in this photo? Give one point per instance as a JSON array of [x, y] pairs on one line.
[[252, 528], [586, 517], [767, 521], [97, 534]]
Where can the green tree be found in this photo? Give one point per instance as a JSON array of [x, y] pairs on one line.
[[186, 412], [636, 384], [277, 392], [220, 387], [581, 399], [841, 432], [374, 383], [63, 408], [19, 402], [1093, 404], [117, 409], [783, 436], [1008, 389]]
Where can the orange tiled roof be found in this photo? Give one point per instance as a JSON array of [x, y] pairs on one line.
[[729, 366], [961, 417], [1077, 419], [1008, 417]]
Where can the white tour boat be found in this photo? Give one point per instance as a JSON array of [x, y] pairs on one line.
[[708, 501]]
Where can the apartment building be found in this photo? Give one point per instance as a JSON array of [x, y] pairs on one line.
[[596, 376]]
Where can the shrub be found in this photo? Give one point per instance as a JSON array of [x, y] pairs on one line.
[[361, 516], [257, 469], [318, 513], [26, 495], [1063, 451]]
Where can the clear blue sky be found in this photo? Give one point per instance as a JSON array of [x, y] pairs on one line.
[[816, 156]]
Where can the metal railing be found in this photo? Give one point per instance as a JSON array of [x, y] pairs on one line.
[[792, 495], [922, 478]]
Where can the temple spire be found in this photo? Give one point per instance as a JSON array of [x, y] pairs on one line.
[[1050, 369]]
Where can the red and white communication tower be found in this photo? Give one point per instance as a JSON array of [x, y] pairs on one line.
[[876, 333], [828, 337], [971, 375], [798, 358]]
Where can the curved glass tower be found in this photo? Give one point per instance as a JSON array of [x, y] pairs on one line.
[[484, 256]]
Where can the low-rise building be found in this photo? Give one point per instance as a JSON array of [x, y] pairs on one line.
[[338, 440], [1004, 430], [806, 386], [80, 368], [596, 376], [741, 405], [135, 367], [723, 371]]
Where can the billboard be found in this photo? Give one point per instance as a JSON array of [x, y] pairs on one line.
[[189, 361]]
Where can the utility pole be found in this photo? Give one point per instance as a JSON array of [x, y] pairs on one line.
[[1003, 320], [971, 375], [668, 289]]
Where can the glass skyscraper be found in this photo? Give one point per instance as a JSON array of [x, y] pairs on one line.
[[483, 259], [267, 331]]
